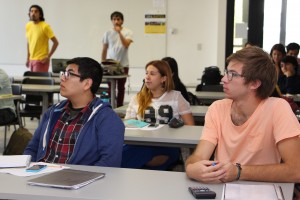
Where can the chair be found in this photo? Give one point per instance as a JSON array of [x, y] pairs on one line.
[[16, 90], [32, 102], [45, 74], [210, 88]]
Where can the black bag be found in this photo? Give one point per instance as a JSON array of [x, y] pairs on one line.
[[18, 142], [6, 116], [211, 76]]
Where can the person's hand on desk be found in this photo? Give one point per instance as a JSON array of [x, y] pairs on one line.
[[231, 172], [207, 171]]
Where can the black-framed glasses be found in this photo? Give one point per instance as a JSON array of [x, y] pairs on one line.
[[231, 74], [67, 74]]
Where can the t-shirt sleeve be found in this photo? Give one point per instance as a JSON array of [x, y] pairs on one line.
[[131, 113], [49, 32], [183, 105], [285, 122], [105, 38], [210, 129]]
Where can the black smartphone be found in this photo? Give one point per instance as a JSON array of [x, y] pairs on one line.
[[36, 168], [153, 125]]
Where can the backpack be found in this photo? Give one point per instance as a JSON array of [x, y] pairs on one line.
[[211, 76], [18, 142], [112, 67]]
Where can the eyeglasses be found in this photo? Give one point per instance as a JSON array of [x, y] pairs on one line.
[[231, 74], [67, 75]]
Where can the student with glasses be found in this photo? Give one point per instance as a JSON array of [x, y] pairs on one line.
[[82, 129], [252, 136]]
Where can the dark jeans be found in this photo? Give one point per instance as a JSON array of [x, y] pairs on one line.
[[120, 85]]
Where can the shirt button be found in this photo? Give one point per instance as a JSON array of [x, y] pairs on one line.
[[66, 123], [56, 156], [60, 139]]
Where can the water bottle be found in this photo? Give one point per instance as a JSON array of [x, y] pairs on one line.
[[105, 97]]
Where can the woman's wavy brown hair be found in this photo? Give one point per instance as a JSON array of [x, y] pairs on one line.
[[144, 97]]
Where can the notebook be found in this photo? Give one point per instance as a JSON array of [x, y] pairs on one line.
[[15, 161], [133, 123], [67, 179]]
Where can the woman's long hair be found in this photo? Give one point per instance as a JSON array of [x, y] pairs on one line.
[[144, 97]]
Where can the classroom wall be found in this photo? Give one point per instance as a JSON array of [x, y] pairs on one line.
[[195, 33]]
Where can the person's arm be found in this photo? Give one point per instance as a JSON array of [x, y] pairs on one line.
[[188, 119], [104, 52], [125, 41], [53, 48], [199, 167], [287, 171], [28, 56]]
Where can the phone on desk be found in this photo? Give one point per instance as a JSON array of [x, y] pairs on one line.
[[36, 168], [153, 125]]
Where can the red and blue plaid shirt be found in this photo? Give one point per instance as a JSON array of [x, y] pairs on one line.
[[65, 134]]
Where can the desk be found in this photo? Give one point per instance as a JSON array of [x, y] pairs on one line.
[[19, 79], [186, 136], [125, 184], [197, 111], [11, 97], [112, 80], [42, 90]]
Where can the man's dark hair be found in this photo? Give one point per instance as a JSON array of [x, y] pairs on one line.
[[292, 46], [88, 68], [40, 10], [117, 14], [292, 60]]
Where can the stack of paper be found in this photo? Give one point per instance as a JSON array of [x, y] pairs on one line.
[[15, 161], [234, 191]]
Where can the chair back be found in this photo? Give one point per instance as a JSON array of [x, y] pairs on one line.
[[36, 99], [16, 89], [29, 73], [210, 88]]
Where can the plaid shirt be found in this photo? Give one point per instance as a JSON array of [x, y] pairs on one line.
[[65, 134]]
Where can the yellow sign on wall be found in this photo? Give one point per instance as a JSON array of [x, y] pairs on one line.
[[155, 24]]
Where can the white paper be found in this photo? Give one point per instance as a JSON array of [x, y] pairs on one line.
[[233, 191], [14, 161], [22, 171]]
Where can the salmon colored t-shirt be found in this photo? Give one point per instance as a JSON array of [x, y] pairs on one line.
[[255, 141]]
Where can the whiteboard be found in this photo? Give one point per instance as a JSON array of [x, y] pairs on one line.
[[79, 26]]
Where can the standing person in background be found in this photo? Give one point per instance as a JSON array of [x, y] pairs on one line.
[[38, 33], [115, 46], [277, 53], [178, 85]]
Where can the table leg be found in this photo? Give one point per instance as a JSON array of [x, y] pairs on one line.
[[113, 92], [45, 103]]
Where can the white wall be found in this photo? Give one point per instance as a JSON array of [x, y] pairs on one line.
[[80, 24]]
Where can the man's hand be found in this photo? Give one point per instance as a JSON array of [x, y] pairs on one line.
[[118, 28], [231, 172], [205, 172], [27, 63], [45, 60]]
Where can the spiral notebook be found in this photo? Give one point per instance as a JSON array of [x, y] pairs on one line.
[[67, 179]]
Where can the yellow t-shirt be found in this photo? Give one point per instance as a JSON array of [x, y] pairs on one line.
[[255, 141], [38, 36]]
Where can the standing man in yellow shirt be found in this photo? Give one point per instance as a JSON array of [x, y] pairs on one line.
[[38, 33]]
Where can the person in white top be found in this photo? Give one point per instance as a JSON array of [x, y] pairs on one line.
[[158, 103], [116, 43]]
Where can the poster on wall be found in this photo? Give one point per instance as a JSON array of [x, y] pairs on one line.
[[155, 23]]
